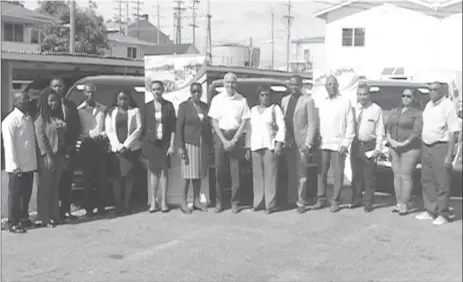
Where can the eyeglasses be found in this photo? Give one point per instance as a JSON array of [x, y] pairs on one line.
[[195, 91], [433, 89], [407, 96]]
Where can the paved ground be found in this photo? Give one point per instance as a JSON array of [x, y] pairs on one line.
[[285, 246]]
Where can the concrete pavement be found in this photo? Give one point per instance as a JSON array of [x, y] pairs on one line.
[[285, 246]]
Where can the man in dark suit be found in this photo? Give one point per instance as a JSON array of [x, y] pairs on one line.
[[73, 128]]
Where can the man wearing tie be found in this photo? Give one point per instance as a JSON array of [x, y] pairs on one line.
[[301, 126], [73, 127], [366, 148]]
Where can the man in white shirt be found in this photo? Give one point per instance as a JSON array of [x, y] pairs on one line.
[[337, 130], [366, 148], [20, 159], [229, 113], [440, 129], [93, 151]]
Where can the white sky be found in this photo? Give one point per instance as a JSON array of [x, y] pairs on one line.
[[232, 21]]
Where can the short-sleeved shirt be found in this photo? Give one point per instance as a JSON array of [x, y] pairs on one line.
[[229, 111], [92, 119], [439, 119], [19, 142], [370, 125]]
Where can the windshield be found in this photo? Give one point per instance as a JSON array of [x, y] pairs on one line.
[[105, 94], [249, 91], [389, 97]]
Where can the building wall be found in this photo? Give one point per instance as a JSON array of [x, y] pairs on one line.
[[26, 45], [394, 37], [315, 53], [118, 49], [234, 56], [450, 43]]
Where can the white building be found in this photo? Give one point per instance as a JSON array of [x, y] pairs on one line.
[[235, 55], [309, 50], [397, 38]]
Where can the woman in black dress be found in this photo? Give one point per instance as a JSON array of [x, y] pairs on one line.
[[158, 143], [123, 127]]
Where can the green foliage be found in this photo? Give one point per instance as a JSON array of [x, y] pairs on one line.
[[90, 30], [19, 3]]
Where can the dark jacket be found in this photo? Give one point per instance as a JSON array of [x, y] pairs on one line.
[[73, 125], [149, 122], [190, 128]]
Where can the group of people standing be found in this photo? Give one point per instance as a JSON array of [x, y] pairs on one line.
[[304, 132]]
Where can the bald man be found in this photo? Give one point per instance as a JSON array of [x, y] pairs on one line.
[[71, 117], [229, 112], [20, 159], [93, 151], [337, 131]]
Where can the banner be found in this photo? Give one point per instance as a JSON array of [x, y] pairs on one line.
[[177, 72]]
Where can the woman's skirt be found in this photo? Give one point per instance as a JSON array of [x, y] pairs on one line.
[[156, 155], [122, 165], [196, 165]]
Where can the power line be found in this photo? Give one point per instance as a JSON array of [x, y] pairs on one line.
[[273, 39], [178, 20], [118, 13], [158, 27], [193, 25], [289, 19], [209, 33]]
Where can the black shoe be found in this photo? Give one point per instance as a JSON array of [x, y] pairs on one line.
[[368, 208], [200, 207], [70, 216], [185, 209], [17, 228], [271, 210], [26, 223]]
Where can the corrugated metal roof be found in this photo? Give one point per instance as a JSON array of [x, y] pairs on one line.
[[121, 38], [16, 11], [169, 49]]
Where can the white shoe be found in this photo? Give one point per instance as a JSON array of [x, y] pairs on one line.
[[440, 220], [424, 216]]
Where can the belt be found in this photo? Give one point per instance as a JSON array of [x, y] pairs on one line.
[[363, 143], [435, 143]]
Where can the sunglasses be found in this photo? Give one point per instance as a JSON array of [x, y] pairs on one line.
[[195, 91], [407, 96], [433, 89]]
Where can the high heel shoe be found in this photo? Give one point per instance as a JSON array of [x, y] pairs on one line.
[[185, 209], [153, 210], [200, 207]]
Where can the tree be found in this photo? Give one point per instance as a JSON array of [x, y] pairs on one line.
[[90, 30], [19, 3]]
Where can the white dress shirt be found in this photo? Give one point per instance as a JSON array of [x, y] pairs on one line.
[[19, 142], [260, 133], [92, 119], [337, 127], [229, 111], [371, 125], [439, 119]]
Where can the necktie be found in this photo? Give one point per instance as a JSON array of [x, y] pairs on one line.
[[359, 120]]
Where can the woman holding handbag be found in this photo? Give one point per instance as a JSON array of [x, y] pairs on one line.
[[264, 139]]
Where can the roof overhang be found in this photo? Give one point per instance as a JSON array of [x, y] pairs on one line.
[[443, 9], [68, 59]]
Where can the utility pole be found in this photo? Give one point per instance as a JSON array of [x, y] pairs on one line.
[[178, 31], [273, 40], [72, 29], [158, 27], [208, 34], [118, 14], [126, 17], [250, 64], [193, 25], [289, 19], [137, 15]]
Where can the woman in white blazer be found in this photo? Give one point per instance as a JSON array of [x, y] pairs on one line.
[[123, 127]]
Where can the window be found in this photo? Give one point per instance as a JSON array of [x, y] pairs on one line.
[[306, 55], [13, 32], [353, 37], [35, 36], [131, 52]]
